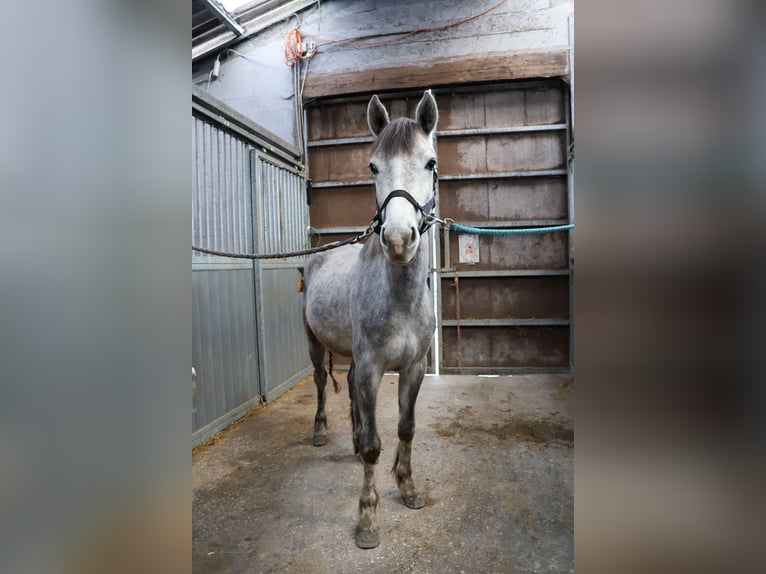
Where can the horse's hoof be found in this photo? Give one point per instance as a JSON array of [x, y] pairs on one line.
[[320, 439], [367, 539], [414, 502]]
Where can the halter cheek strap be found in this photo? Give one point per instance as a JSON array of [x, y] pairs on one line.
[[426, 210]]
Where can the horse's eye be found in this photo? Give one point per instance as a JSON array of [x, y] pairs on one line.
[[431, 164], [373, 168]]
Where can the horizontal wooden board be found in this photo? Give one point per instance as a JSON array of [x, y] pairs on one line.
[[507, 347], [349, 119], [506, 297], [474, 154], [497, 252], [340, 163], [347, 206], [486, 67], [337, 121], [465, 110], [502, 152], [458, 110], [504, 199], [500, 108], [544, 105]]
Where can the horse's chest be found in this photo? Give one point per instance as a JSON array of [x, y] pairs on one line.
[[398, 339]]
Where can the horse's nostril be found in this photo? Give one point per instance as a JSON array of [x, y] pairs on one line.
[[383, 237], [413, 235]]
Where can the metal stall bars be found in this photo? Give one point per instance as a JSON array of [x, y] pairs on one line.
[[247, 195]]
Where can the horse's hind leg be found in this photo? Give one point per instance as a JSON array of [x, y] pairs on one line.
[[409, 386], [316, 352]]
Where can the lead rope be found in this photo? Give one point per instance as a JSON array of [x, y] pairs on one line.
[[349, 241]]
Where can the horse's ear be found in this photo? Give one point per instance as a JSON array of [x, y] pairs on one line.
[[426, 114], [377, 116]]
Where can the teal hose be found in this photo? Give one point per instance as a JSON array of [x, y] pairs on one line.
[[518, 231]]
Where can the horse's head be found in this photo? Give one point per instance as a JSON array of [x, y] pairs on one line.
[[403, 163]]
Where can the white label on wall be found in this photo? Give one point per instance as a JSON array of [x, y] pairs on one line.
[[468, 246]]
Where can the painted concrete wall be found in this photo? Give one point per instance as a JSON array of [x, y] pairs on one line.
[[261, 86]]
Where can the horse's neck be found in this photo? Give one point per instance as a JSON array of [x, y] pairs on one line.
[[404, 283]]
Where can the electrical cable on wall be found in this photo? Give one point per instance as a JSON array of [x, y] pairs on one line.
[[297, 49], [405, 34], [215, 71]]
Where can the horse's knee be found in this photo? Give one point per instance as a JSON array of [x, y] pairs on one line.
[[406, 431], [369, 447], [320, 376]]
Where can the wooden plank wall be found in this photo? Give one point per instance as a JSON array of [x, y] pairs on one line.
[[514, 303]]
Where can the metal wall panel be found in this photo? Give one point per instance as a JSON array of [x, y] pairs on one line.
[[224, 335], [224, 348], [221, 192], [282, 220], [282, 207], [280, 329], [236, 301]]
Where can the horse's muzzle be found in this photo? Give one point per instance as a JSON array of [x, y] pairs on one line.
[[399, 244]]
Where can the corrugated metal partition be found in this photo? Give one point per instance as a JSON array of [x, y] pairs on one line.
[[282, 227], [224, 339], [248, 343], [504, 301]]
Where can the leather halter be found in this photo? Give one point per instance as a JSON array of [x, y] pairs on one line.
[[426, 211]]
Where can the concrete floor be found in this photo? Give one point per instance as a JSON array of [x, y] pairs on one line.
[[493, 457]]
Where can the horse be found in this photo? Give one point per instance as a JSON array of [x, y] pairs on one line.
[[372, 302]]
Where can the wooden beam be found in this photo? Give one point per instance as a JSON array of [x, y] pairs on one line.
[[490, 66]]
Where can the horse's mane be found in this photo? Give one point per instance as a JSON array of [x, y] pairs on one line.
[[397, 138]]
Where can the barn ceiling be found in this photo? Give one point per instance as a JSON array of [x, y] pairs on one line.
[[215, 27]]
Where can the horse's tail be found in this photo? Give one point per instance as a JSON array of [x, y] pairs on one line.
[[335, 383]]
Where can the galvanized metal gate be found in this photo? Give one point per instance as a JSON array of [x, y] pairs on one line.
[[504, 303], [282, 226], [248, 195]]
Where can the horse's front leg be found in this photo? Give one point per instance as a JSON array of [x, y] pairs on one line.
[[366, 383], [409, 386], [353, 408]]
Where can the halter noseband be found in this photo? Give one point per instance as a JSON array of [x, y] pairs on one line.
[[426, 211]]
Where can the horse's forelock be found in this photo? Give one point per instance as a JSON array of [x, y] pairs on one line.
[[397, 138]]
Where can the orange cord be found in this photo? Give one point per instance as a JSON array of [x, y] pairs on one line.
[[406, 34], [294, 48]]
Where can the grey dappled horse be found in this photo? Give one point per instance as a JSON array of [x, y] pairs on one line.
[[372, 302]]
